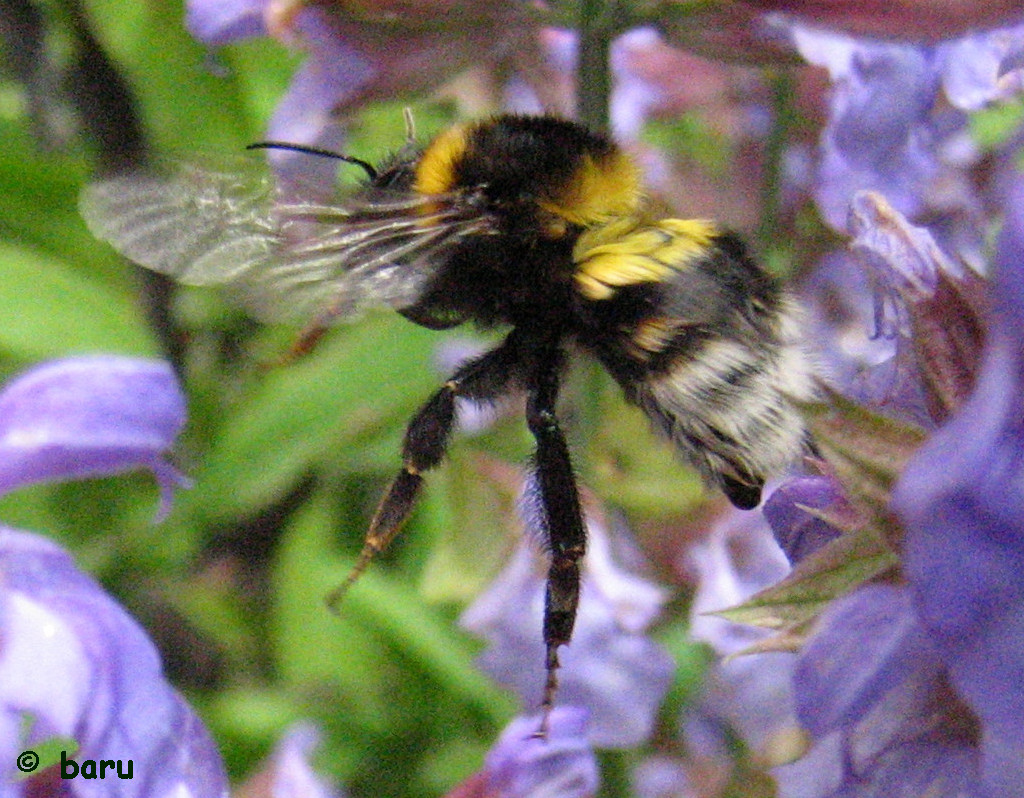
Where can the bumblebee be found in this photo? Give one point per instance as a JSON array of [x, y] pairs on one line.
[[532, 224]]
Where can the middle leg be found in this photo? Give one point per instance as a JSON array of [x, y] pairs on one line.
[[561, 516], [426, 441]]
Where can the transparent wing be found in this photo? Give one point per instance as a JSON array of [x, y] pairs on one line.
[[283, 260]]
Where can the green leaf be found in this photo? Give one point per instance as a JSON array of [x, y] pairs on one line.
[[185, 100], [361, 384], [48, 751], [867, 453], [51, 309], [992, 127], [832, 571], [871, 447], [382, 632], [39, 205], [635, 469], [469, 511]]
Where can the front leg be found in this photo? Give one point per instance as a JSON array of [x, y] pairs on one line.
[[561, 516], [425, 444]]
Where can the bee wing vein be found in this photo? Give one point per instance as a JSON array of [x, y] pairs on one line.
[[282, 260]]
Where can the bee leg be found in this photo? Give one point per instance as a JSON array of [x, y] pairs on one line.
[[563, 518], [426, 441]]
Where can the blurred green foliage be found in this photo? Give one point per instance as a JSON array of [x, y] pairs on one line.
[[287, 461]]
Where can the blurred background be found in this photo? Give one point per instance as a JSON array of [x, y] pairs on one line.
[[288, 460]]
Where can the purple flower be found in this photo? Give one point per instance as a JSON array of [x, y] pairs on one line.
[[90, 416], [853, 339], [982, 68], [934, 303], [892, 129], [879, 135], [749, 694], [962, 502], [611, 667], [790, 513], [223, 22], [908, 20], [872, 691], [359, 54], [867, 646], [74, 664], [917, 688], [289, 771], [521, 765], [661, 777]]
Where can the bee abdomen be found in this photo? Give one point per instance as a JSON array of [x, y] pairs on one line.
[[728, 403]]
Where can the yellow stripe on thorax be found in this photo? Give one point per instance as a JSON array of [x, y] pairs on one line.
[[435, 172], [602, 188], [628, 251]]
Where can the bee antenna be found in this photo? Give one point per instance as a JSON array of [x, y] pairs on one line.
[[282, 145]]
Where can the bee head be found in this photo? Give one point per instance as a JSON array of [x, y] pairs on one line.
[[538, 175]]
